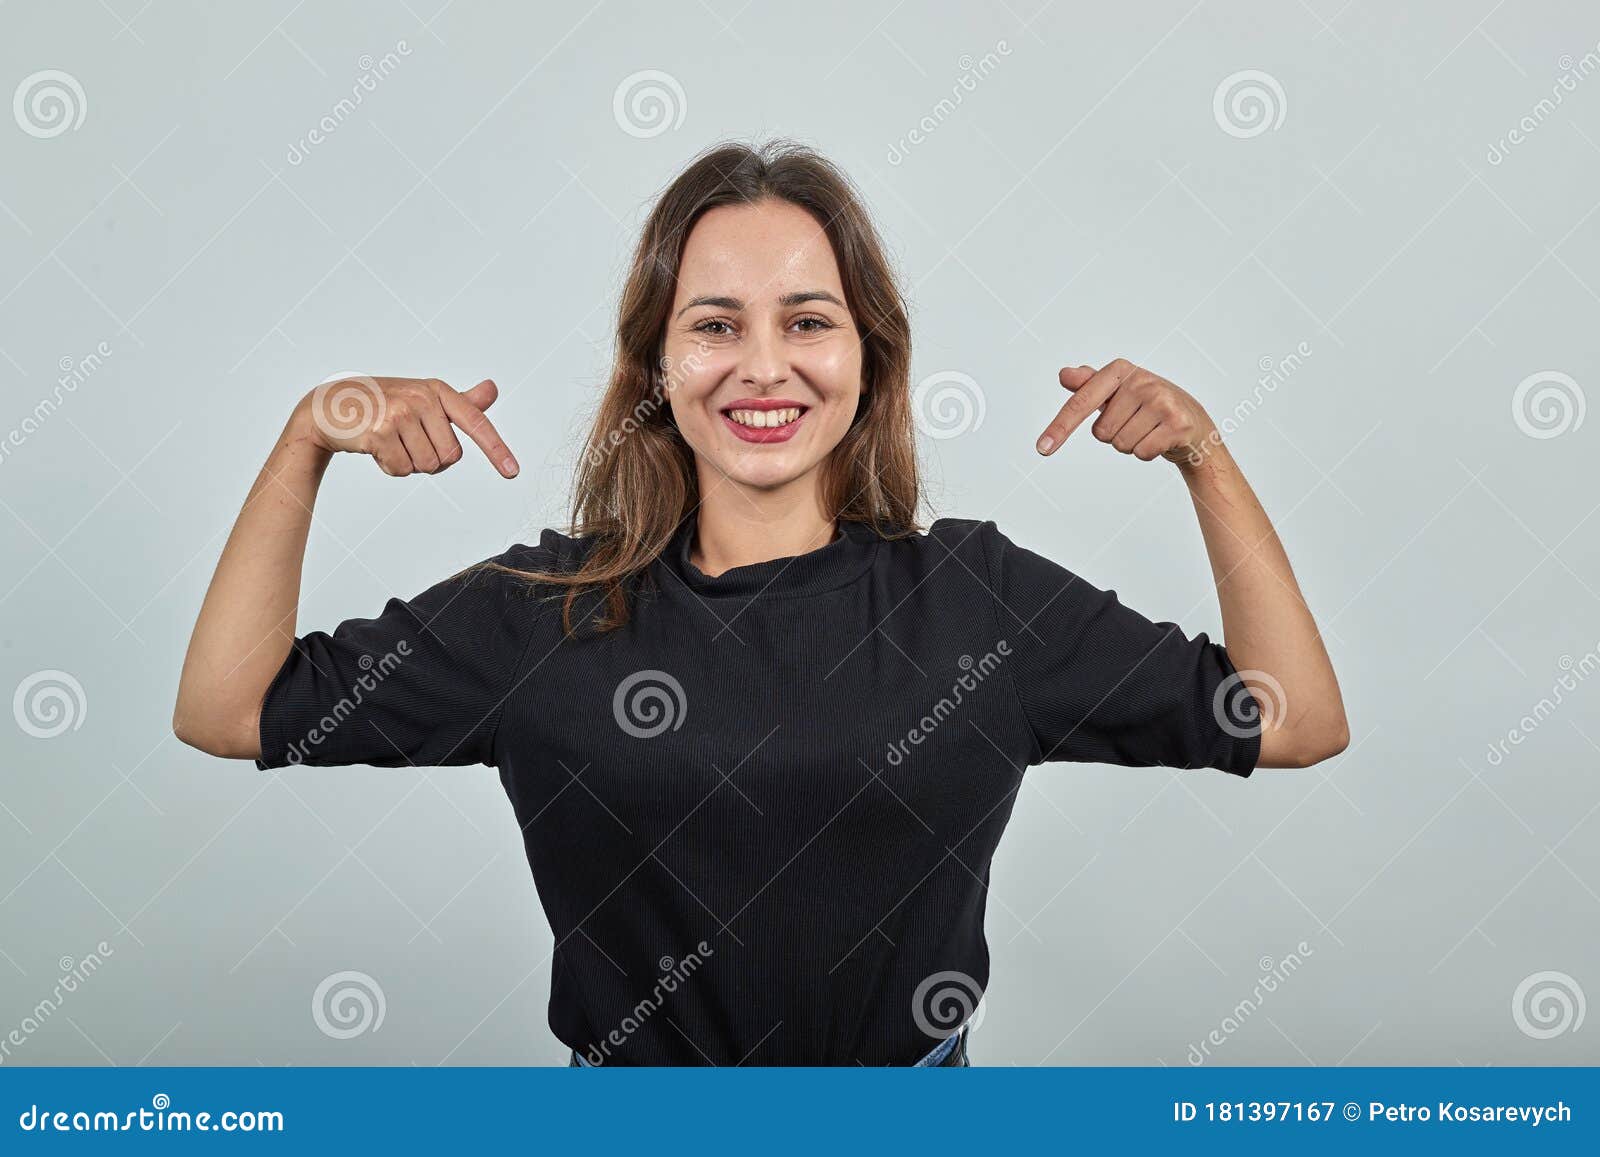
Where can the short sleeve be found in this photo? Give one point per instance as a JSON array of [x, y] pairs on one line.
[[1100, 683], [422, 684]]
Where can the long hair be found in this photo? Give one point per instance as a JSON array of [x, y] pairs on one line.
[[636, 482]]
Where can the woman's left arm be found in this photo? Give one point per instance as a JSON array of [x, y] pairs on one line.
[[1270, 635]]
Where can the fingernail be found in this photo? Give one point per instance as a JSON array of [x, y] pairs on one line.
[[510, 466], [1045, 442]]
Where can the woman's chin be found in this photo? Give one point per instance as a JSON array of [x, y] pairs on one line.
[[773, 471]]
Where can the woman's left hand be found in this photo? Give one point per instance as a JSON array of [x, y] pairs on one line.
[[1143, 414]]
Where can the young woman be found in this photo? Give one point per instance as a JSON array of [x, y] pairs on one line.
[[762, 733]]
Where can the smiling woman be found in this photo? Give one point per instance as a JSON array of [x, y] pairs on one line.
[[780, 365], [743, 617], [758, 286]]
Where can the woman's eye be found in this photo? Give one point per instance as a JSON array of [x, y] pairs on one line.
[[717, 327]]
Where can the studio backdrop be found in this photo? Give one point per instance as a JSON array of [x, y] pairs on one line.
[[1365, 236]]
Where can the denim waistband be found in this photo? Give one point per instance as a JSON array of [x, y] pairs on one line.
[[941, 1051], [936, 1057]]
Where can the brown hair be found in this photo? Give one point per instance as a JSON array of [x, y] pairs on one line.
[[637, 483]]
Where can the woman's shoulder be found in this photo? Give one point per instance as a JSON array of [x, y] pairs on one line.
[[980, 533], [951, 533], [521, 569], [972, 541], [961, 526], [982, 548], [553, 551]]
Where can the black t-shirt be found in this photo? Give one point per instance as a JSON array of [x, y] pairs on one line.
[[761, 815]]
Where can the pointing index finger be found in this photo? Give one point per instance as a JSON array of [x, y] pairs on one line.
[[1087, 398], [476, 425]]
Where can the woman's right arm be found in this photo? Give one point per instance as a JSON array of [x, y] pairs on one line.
[[247, 621]]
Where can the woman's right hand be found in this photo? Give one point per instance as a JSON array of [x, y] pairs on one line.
[[246, 624], [404, 423]]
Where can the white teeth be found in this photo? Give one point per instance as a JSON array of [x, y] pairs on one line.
[[762, 419]]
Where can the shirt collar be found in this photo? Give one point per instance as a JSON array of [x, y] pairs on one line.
[[832, 565]]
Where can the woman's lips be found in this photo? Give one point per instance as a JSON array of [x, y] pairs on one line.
[[765, 433]]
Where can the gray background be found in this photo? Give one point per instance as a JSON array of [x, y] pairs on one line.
[[473, 216]]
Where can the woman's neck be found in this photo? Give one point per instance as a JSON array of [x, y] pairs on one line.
[[734, 527]]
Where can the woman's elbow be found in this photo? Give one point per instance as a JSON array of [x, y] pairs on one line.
[[1312, 750], [219, 736], [1325, 748], [1304, 746]]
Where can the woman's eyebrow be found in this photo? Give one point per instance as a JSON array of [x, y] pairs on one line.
[[806, 295], [799, 297]]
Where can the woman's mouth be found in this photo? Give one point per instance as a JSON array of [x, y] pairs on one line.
[[764, 421]]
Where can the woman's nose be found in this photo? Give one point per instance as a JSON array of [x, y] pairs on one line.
[[764, 360]]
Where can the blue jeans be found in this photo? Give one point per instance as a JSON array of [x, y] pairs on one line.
[[948, 1053]]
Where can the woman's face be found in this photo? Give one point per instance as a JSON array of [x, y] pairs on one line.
[[764, 360]]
